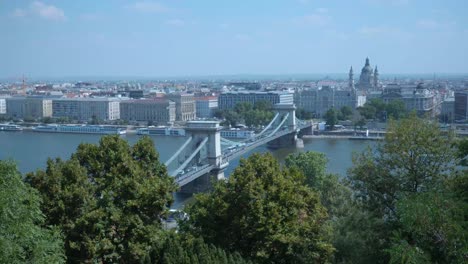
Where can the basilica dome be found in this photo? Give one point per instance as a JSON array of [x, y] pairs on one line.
[[367, 68]]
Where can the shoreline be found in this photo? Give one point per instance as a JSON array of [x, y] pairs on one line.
[[343, 137]]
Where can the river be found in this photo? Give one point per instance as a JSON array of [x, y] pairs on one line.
[[30, 150]]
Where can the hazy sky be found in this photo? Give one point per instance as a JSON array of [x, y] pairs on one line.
[[196, 37]]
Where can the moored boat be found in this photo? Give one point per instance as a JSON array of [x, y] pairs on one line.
[[10, 127], [161, 131], [81, 129]]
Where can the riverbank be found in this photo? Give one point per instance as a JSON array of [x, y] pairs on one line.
[[344, 137]]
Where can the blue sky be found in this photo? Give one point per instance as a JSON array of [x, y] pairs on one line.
[[195, 37]]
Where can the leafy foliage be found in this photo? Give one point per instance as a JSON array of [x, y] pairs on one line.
[[377, 109], [178, 249], [108, 199], [345, 215], [253, 115], [432, 225], [414, 158], [331, 118], [22, 239], [405, 186], [303, 114], [264, 212], [345, 113]]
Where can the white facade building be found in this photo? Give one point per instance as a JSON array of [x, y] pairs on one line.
[[2, 106], [206, 106], [230, 99], [86, 108], [159, 111], [28, 107]]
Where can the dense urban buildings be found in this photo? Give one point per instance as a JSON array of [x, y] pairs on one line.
[[230, 99], [206, 106], [447, 112], [156, 111], [185, 106], [85, 100], [416, 98], [461, 105], [321, 99], [85, 109], [28, 107]]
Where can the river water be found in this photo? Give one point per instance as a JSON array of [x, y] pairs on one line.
[[30, 150]]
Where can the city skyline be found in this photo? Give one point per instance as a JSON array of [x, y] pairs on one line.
[[189, 38]]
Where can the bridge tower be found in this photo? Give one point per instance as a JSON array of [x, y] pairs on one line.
[[286, 111], [200, 131]]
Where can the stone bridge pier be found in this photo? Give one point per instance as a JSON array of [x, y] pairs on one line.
[[290, 124], [199, 131]]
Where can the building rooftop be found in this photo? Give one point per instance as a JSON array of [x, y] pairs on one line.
[[148, 101]]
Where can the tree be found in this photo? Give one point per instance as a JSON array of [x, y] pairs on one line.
[[334, 195], [243, 107], [367, 111], [264, 212], [303, 114], [396, 109], [108, 199], [432, 229], [360, 123], [311, 164], [22, 237], [462, 151], [413, 158], [263, 105], [181, 249], [48, 120], [344, 214], [380, 108], [400, 185], [331, 118], [346, 112]]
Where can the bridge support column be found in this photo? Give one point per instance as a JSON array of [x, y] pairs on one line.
[[289, 139], [199, 130]]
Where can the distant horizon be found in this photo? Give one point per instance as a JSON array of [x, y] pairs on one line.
[[233, 77]]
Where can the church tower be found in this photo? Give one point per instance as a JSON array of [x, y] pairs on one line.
[[376, 78], [351, 79], [367, 77]]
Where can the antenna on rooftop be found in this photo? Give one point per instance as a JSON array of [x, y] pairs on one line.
[[23, 86]]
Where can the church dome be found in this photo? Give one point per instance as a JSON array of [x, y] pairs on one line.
[[367, 68]]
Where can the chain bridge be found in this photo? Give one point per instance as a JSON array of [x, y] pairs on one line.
[[206, 153]]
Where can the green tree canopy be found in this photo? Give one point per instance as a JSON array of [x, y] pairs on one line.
[[108, 199], [22, 237], [414, 157], [177, 249], [395, 109], [404, 188], [346, 112], [378, 109], [264, 212], [303, 114], [331, 118], [252, 115]]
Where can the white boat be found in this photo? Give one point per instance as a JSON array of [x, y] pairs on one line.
[[10, 127], [81, 129], [161, 131]]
